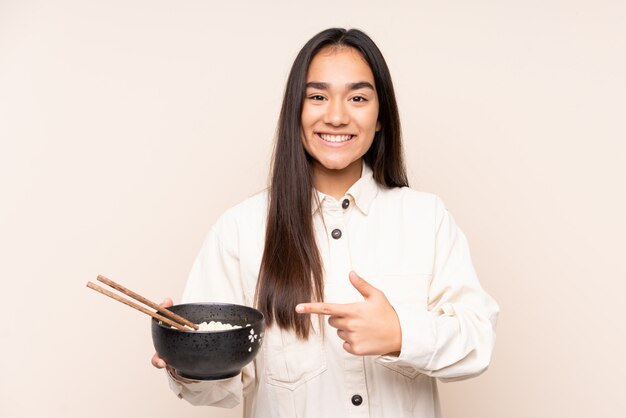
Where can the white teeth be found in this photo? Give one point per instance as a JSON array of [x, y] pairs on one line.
[[335, 138]]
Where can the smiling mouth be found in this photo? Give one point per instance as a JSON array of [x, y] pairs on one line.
[[335, 138]]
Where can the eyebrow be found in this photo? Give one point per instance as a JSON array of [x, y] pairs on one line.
[[351, 86]]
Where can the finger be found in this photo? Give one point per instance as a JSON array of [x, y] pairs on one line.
[[364, 288], [322, 308], [167, 302], [338, 322], [342, 334], [348, 347], [158, 362], [176, 376]]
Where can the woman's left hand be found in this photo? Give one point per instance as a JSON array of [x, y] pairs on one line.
[[370, 327]]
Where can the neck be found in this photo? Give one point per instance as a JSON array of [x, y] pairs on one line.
[[336, 183]]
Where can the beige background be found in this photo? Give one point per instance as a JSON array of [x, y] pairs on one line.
[[127, 127]]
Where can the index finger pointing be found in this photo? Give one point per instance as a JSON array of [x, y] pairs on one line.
[[321, 308]]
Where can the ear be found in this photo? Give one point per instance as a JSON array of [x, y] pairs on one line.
[[378, 126]]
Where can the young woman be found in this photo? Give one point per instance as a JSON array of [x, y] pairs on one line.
[[367, 285]]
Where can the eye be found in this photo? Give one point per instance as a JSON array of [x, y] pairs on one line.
[[316, 97], [359, 99]]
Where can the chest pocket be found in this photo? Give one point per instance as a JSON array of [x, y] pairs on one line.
[[289, 361]]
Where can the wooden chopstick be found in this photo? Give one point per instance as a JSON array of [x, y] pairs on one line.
[[136, 306], [148, 302]]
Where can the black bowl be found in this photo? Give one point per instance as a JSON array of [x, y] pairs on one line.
[[210, 355]]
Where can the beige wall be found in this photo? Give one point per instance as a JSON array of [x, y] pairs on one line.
[[127, 127]]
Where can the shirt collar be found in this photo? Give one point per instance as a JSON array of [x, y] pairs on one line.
[[362, 192]]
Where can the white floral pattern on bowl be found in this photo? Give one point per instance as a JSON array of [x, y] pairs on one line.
[[254, 337]]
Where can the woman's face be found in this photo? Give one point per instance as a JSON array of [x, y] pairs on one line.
[[340, 111]]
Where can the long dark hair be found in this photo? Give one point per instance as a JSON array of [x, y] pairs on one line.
[[291, 268]]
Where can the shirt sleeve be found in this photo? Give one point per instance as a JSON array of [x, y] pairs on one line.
[[452, 335], [215, 277]]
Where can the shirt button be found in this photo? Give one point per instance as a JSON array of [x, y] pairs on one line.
[[345, 203], [336, 233], [357, 400]]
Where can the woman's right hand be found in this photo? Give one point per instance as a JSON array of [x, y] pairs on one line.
[[159, 363]]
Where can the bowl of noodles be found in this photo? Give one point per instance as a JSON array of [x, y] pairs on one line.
[[229, 337]]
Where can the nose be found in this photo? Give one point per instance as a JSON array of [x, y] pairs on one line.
[[336, 113]]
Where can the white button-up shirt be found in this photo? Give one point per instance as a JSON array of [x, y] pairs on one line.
[[404, 243]]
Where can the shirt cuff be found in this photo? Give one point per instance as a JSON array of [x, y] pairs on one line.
[[224, 393], [418, 337], [175, 385]]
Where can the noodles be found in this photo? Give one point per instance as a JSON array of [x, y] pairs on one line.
[[216, 326], [213, 326]]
